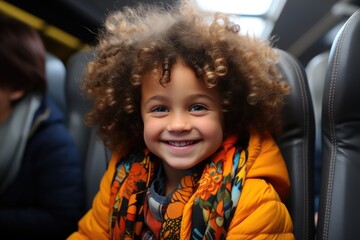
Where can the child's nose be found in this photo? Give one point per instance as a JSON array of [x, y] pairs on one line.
[[178, 122]]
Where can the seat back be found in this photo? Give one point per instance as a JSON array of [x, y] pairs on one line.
[[316, 72], [297, 146], [55, 76], [78, 105], [92, 151], [339, 207]]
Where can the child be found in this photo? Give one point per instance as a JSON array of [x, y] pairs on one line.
[[187, 108]]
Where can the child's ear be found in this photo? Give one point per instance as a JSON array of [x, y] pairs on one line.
[[16, 95]]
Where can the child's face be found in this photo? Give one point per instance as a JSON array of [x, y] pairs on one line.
[[183, 121]]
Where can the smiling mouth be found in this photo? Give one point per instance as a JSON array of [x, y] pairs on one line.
[[180, 144]]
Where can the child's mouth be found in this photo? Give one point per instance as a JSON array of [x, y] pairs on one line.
[[180, 143]]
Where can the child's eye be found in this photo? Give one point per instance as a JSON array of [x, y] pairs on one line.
[[159, 109], [197, 107]]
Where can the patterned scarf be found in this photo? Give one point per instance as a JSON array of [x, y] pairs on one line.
[[216, 194]]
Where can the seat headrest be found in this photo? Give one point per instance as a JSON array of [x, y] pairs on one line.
[[55, 76], [78, 104], [344, 69]]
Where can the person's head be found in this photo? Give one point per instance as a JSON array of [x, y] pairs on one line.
[[147, 43], [22, 62], [183, 119]]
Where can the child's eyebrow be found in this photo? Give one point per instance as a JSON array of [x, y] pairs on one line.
[[156, 98], [191, 98], [200, 95]]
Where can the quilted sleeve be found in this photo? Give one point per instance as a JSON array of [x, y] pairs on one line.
[[260, 214]]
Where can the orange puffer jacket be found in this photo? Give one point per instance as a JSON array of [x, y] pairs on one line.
[[260, 213]]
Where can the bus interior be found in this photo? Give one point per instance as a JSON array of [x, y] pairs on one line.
[[320, 41]]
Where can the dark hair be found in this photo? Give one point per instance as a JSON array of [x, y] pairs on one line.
[[22, 57], [142, 39]]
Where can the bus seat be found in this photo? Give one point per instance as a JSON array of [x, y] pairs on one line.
[[339, 207], [78, 105], [55, 75], [316, 71], [92, 151], [296, 143]]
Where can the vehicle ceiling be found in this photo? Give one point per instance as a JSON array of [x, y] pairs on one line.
[[303, 28]]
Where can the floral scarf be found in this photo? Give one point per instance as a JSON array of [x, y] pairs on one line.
[[216, 194]]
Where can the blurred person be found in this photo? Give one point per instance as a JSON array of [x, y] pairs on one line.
[[41, 178]]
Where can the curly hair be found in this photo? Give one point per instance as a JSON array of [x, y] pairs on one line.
[[140, 39]]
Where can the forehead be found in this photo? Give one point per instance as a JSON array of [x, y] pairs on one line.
[[180, 74], [183, 82]]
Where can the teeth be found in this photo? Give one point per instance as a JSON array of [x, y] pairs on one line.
[[181, 144]]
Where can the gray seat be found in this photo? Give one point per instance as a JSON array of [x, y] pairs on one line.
[[64, 89], [316, 71], [55, 76], [92, 151], [297, 146], [339, 207]]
